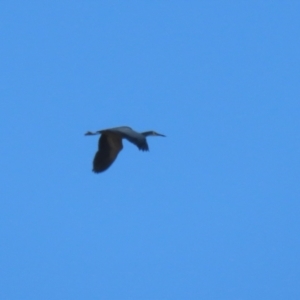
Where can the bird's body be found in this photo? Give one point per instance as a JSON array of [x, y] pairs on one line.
[[110, 144]]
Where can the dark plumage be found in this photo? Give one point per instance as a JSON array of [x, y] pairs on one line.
[[110, 144]]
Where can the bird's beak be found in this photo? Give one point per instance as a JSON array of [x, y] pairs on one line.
[[160, 134]]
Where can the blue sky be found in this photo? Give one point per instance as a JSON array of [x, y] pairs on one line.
[[212, 211]]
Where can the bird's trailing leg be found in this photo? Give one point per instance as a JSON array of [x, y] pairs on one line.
[[92, 133]]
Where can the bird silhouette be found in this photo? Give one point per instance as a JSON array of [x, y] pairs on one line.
[[110, 144]]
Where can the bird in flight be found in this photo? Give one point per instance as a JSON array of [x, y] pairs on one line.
[[110, 144]]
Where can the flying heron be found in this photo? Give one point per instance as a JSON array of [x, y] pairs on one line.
[[110, 144]]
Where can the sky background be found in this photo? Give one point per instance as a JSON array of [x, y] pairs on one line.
[[212, 211]]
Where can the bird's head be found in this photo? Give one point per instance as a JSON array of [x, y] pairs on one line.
[[157, 134], [152, 133]]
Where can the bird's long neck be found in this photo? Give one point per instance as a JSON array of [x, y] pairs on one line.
[[147, 133]]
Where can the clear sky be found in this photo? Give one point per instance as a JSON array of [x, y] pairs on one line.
[[212, 211]]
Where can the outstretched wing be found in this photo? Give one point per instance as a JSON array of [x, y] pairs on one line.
[[109, 146], [132, 136]]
